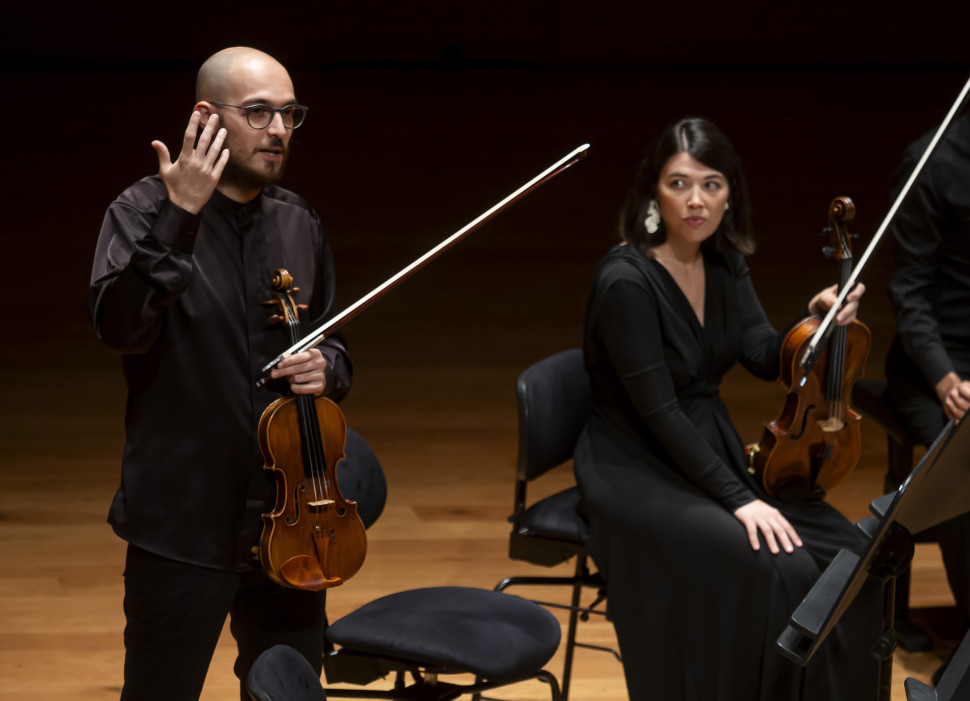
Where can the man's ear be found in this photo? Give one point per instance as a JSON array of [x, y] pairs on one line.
[[206, 110]]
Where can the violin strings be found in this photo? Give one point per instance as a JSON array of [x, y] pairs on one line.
[[839, 372], [310, 434], [311, 443]]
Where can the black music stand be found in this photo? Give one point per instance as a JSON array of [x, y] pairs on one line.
[[953, 686], [938, 489]]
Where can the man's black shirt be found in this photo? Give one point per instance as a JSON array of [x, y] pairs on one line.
[[181, 296]]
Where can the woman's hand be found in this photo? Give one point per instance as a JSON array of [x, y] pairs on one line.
[[759, 516], [824, 300]]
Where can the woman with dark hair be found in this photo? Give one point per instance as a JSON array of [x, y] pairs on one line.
[[703, 568]]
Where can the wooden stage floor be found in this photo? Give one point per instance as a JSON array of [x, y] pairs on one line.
[[446, 435]]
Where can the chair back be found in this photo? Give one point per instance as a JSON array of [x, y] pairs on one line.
[[554, 401], [361, 478], [283, 674]]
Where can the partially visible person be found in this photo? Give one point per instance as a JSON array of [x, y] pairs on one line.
[[928, 364], [183, 264], [703, 568]]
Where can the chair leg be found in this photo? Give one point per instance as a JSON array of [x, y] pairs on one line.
[[571, 631], [553, 685], [533, 581]]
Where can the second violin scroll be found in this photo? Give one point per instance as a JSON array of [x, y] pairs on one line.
[[816, 439]]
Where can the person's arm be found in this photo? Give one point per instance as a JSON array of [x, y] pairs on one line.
[[917, 237], [144, 255], [760, 342]]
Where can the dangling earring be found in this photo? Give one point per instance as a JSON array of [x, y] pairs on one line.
[[727, 205], [652, 221]]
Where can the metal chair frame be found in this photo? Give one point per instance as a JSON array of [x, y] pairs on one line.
[[565, 399]]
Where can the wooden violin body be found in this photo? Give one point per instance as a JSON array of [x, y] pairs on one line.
[[815, 439], [313, 538], [811, 440]]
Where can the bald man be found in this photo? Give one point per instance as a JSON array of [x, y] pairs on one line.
[[183, 264]]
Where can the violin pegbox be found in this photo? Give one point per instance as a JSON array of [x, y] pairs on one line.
[[841, 210], [286, 309]]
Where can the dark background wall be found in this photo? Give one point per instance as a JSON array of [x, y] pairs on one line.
[[425, 114]]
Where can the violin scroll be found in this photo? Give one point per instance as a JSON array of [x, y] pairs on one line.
[[841, 209]]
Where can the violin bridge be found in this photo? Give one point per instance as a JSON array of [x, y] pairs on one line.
[[320, 502], [831, 424]]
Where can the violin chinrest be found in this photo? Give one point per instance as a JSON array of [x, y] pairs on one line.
[[303, 572]]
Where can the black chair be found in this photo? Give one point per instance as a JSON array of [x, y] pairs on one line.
[[283, 674], [420, 634], [871, 397], [554, 402]]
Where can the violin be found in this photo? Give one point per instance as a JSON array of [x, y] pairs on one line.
[[816, 437], [313, 538]]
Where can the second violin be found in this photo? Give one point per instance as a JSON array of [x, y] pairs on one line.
[[816, 438]]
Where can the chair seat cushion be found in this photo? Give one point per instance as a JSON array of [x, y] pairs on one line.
[[494, 635], [557, 517]]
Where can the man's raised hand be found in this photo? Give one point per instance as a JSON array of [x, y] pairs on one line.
[[191, 179]]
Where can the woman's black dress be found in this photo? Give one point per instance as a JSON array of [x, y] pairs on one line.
[[661, 469]]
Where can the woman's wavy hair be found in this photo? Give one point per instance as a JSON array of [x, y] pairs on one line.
[[708, 144]]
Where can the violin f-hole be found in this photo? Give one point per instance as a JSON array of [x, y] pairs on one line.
[[796, 436], [296, 505]]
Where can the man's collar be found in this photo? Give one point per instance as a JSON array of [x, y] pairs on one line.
[[230, 207]]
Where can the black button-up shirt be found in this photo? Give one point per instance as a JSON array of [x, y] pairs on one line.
[[930, 286], [181, 296]]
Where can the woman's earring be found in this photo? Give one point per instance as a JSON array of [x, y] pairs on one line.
[[652, 221], [727, 205]]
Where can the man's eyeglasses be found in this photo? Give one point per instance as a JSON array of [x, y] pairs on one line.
[[261, 116]]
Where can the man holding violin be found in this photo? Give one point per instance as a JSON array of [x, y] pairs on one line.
[[928, 366], [183, 265]]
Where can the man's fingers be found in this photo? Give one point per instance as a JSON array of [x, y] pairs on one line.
[[291, 360], [957, 406], [164, 158], [206, 137], [188, 138], [215, 150], [221, 163]]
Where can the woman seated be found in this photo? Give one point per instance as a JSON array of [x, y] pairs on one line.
[[703, 567]]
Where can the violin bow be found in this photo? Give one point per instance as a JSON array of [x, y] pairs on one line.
[[315, 337], [825, 329]]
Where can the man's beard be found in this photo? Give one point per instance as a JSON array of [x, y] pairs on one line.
[[241, 175]]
